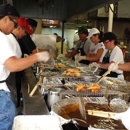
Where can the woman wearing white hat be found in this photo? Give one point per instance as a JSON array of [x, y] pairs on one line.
[[96, 49]]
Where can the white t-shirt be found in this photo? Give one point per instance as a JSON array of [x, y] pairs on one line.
[[15, 45], [115, 56], [95, 47], [6, 51]]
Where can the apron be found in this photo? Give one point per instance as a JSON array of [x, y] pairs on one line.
[[106, 60], [11, 83], [81, 49]]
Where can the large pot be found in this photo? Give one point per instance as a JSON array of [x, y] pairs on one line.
[[53, 96], [68, 108]]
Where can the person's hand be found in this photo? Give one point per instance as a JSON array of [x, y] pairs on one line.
[[79, 58], [94, 64], [113, 67], [124, 117], [43, 56]]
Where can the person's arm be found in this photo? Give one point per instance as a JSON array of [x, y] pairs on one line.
[[96, 57], [101, 65], [124, 67], [17, 64], [71, 54], [105, 66], [88, 54]]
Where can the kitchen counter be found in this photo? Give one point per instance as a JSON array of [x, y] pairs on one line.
[[34, 105]]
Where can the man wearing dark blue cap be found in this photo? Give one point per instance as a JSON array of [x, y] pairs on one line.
[[9, 62]]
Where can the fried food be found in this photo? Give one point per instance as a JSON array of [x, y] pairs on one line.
[[72, 72], [60, 65], [94, 88]]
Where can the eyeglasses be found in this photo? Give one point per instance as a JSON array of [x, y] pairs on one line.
[[15, 24]]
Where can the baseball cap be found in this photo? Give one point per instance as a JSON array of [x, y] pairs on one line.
[[7, 9], [83, 29], [24, 23], [32, 22], [109, 36], [93, 31]]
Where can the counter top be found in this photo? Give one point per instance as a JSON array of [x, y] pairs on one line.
[[34, 105]]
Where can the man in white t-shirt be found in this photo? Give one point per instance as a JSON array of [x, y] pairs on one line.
[[13, 79], [10, 63]]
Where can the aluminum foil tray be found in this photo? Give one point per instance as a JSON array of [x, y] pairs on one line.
[[116, 84]]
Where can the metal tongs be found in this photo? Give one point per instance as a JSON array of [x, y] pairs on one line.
[[107, 72]]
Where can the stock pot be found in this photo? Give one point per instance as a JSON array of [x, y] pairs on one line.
[[54, 96]]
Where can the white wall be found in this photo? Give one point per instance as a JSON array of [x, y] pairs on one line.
[[69, 34]]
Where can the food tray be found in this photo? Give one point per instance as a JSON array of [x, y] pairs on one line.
[[116, 84], [103, 92], [62, 81]]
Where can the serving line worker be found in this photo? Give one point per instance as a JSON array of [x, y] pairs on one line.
[[112, 54], [26, 43], [21, 30], [10, 63], [96, 48], [83, 46]]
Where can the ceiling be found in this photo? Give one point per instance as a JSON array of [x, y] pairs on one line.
[[71, 12], [57, 9]]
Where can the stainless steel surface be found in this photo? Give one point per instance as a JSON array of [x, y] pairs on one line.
[[34, 105]]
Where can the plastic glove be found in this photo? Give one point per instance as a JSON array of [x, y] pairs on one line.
[[124, 117], [79, 58], [76, 57], [26, 55], [43, 56], [112, 65], [94, 64]]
